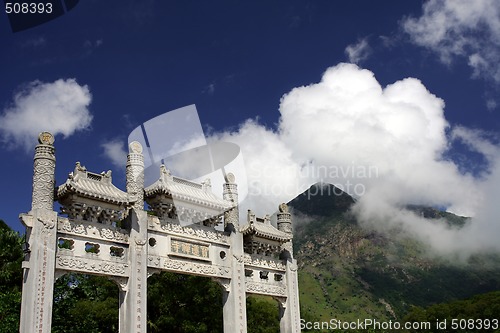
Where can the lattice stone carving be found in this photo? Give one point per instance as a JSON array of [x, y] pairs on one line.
[[163, 209], [92, 213], [92, 230]]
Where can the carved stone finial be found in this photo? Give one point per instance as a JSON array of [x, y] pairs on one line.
[[46, 138], [283, 208], [135, 147], [230, 178]]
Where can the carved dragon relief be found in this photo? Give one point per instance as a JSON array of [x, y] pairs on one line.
[[260, 262], [213, 236], [265, 289], [168, 264], [91, 265]]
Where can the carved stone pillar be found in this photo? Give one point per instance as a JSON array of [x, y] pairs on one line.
[[44, 166], [234, 294], [135, 174], [40, 222], [289, 309], [133, 299], [230, 193]]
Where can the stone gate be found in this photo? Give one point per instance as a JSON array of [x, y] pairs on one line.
[[105, 231]]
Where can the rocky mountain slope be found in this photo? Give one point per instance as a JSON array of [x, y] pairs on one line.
[[348, 272]]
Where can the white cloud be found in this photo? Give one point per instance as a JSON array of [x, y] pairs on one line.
[[35, 42], [60, 107], [90, 46], [491, 104], [461, 28], [273, 175], [209, 89], [359, 51], [115, 151], [384, 144], [348, 120]]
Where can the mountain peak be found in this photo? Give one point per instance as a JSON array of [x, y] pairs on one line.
[[322, 199]]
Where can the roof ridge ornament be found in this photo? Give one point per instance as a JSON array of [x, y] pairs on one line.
[[79, 169], [165, 174], [206, 185]]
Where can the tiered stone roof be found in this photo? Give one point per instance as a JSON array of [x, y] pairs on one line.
[[264, 229], [185, 190], [93, 186]]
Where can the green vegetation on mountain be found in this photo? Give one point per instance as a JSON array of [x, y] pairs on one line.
[[476, 312], [348, 272]]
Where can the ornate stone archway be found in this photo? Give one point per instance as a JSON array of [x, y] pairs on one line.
[[105, 231]]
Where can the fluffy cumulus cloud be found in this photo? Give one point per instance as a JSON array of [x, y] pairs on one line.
[[114, 150], [60, 107], [273, 174], [383, 145], [395, 134], [460, 28], [359, 51], [487, 226]]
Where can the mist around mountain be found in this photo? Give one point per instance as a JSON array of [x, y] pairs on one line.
[[349, 272]]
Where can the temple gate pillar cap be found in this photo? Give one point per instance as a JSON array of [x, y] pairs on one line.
[[46, 138], [135, 147], [230, 179]]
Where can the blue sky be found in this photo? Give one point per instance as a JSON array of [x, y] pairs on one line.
[[125, 62]]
